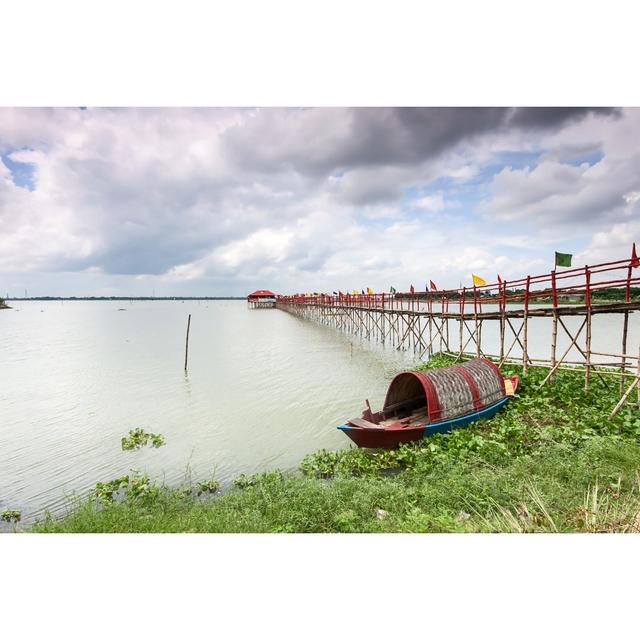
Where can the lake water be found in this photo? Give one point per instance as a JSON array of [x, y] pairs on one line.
[[263, 389]]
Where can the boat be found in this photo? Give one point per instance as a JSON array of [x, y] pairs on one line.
[[419, 404]]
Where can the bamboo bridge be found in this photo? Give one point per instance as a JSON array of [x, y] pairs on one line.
[[452, 320]]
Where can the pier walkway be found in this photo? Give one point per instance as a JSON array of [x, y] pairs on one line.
[[452, 320]]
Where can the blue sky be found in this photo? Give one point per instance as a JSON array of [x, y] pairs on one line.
[[224, 201], [22, 173]]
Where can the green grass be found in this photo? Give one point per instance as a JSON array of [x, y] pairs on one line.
[[551, 461]]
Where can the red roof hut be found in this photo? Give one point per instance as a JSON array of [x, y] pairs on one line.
[[262, 299]]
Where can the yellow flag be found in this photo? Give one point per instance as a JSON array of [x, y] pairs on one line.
[[477, 280], [354, 292], [370, 291]]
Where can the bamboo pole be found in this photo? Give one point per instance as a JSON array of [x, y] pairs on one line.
[[638, 378], [525, 352], [430, 334], [625, 328], [564, 355], [186, 346], [587, 372], [554, 339], [625, 396]]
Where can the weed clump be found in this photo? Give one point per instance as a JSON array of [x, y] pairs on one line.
[[138, 438], [11, 515]]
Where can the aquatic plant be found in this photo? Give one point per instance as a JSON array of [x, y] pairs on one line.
[[138, 438], [266, 478], [106, 491], [208, 486], [11, 515], [130, 487]]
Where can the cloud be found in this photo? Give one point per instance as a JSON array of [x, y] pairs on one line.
[[555, 193], [215, 200], [318, 141]]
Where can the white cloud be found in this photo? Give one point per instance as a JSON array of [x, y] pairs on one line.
[[215, 201]]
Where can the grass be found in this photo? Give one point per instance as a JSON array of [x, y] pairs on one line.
[[552, 461]]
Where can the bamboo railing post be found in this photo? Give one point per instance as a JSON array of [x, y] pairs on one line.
[[186, 346]]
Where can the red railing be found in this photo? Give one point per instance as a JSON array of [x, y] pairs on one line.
[[569, 285]]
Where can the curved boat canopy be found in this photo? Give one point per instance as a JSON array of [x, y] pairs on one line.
[[448, 392]]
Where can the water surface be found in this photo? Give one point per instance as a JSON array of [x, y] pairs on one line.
[[263, 389]]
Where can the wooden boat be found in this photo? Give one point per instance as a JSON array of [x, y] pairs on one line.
[[421, 403]]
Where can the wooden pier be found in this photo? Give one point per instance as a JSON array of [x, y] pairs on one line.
[[567, 302]]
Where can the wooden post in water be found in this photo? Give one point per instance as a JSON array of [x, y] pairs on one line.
[[186, 347]]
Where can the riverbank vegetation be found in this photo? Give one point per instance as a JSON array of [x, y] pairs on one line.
[[552, 460]]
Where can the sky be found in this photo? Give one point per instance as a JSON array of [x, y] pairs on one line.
[[222, 201]]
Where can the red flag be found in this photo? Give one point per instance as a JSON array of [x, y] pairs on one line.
[[411, 289], [432, 284], [499, 279], [635, 262]]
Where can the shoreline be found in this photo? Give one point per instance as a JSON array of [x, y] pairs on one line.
[[531, 468]]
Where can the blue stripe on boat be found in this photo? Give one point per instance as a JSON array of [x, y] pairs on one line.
[[444, 426]]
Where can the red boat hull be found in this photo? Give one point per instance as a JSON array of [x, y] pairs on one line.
[[384, 438]]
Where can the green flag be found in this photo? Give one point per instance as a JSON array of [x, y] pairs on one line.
[[563, 259], [392, 290]]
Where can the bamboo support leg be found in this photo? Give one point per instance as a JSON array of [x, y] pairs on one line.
[[554, 340], [525, 349], [622, 400], [477, 334], [430, 335], [625, 329], [638, 378], [587, 371], [564, 355]]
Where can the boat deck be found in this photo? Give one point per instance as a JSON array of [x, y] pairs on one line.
[[414, 419]]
